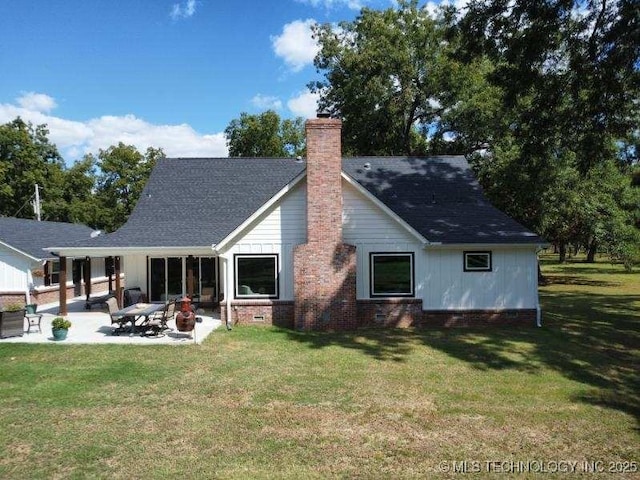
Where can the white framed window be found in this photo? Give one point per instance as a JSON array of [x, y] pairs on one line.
[[52, 273], [477, 261], [391, 274], [256, 276]]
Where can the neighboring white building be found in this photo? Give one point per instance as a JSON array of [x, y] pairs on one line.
[[327, 243], [29, 274]]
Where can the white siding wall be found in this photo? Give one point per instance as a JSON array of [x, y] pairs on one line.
[[440, 280], [135, 271], [278, 230], [512, 283], [13, 271], [371, 230]]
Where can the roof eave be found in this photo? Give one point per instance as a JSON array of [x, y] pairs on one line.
[[20, 252], [523, 245], [120, 251]]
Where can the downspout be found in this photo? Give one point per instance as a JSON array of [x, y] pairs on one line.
[[227, 286], [538, 309]]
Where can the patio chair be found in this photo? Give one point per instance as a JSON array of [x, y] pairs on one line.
[[158, 323], [120, 320]]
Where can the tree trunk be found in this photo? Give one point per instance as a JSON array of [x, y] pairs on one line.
[[591, 252], [563, 252], [541, 278]]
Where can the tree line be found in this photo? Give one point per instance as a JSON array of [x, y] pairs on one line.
[[541, 96], [98, 190]]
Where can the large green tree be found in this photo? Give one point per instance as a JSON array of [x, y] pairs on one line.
[[124, 171], [568, 79], [28, 158], [386, 75], [265, 135]]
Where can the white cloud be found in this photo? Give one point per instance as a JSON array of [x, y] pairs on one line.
[[295, 45], [38, 102], [329, 4], [266, 102], [74, 138], [432, 7], [183, 10], [305, 104]]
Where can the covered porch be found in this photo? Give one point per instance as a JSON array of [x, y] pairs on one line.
[[160, 276]]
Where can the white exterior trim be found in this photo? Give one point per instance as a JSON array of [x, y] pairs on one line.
[[121, 251], [484, 246], [19, 251]]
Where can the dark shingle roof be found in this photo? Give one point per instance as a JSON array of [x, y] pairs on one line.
[[199, 201], [31, 236], [191, 202], [439, 197]]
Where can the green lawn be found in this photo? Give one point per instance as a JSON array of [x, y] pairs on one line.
[[266, 402]]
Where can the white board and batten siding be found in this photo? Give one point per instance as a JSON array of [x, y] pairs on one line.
[[370, 229], [278, 230], [14, 270], [440, 279], [511, 284]]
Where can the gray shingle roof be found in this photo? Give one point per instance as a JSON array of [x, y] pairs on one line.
[[197, 202], [31, 236], [439, 197]]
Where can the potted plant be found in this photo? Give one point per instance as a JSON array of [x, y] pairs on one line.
[[60, 327], [12, 320]]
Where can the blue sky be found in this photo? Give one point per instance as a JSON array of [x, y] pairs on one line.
[[162, 73]]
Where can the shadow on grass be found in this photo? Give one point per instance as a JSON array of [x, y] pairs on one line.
[[576, 280], [592, 339]]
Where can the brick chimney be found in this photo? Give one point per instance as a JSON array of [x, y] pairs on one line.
[[324, 267]]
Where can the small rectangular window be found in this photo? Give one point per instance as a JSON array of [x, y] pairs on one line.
[[477, 261], [391, 274], [256, 276]]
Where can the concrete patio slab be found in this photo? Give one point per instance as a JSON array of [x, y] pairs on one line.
[[94, 327]]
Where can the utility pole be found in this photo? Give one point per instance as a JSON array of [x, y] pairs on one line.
[[36, 206]]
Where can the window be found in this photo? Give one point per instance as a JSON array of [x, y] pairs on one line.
[[168, 278], [256, 276], [391, 274], [52, 272], [477, 261]]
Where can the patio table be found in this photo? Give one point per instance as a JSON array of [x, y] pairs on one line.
[[137, 311]]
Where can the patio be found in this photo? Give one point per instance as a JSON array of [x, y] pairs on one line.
[[94, 327]]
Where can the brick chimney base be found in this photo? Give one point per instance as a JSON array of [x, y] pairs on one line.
[[325, 287]]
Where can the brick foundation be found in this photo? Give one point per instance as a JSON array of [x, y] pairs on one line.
[[44, 295], [390, 312], [479, 318], [382, 313], [273, 312], [407, 312]]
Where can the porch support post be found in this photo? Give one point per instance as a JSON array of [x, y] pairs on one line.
[[87, 277], [190, 276], [116, 262], [62, 297], [110, 274]]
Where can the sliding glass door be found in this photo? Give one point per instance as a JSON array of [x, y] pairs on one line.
[[168, 278]]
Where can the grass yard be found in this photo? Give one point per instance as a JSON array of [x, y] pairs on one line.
[[271, 403]]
